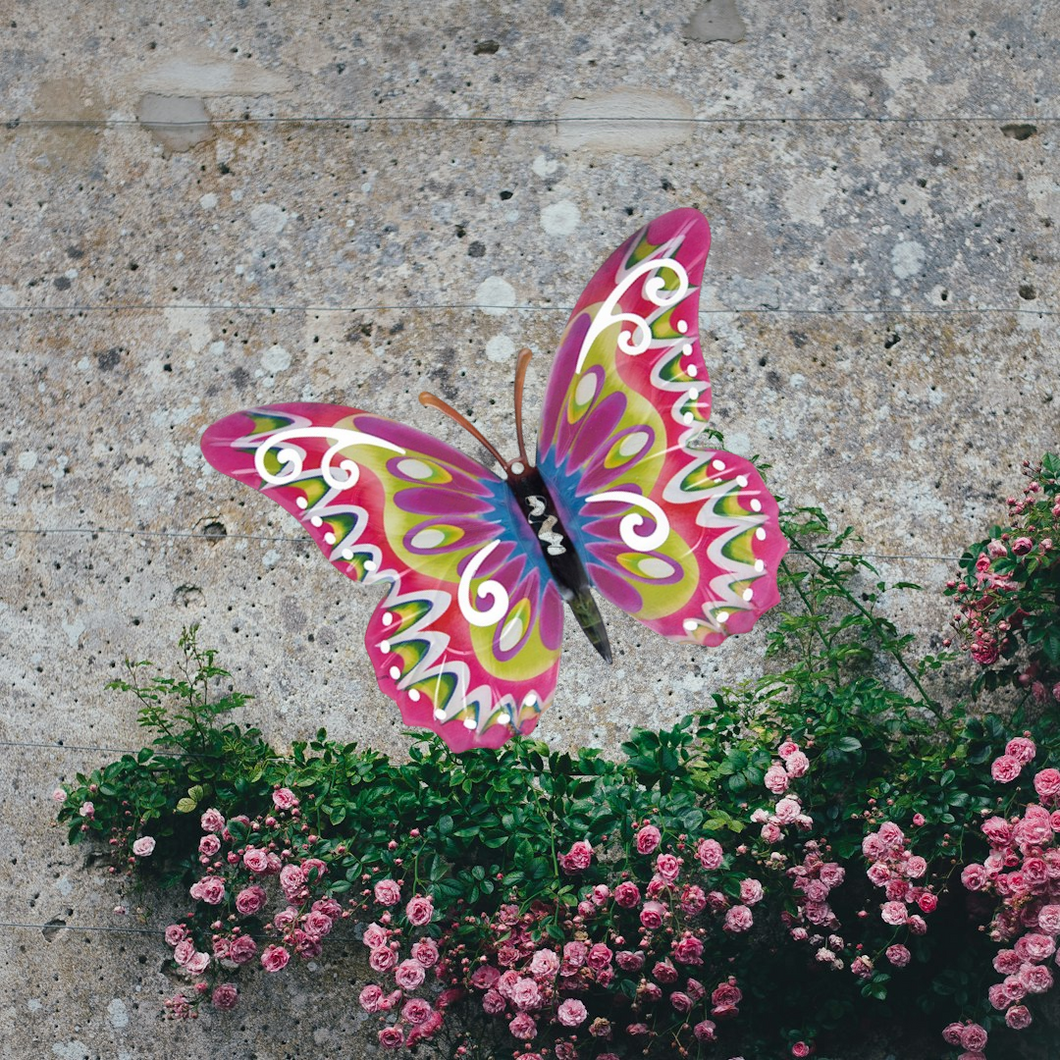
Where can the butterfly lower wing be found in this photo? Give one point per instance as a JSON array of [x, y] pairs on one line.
[[683, 537], [467, 639]]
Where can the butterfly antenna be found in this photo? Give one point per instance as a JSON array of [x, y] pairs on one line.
[[520, 377], [442, 406]]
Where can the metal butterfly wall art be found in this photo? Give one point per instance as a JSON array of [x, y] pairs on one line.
[[477, 564]]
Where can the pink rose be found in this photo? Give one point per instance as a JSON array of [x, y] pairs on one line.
[[1007, 962], [693, 900], [680, 1001], [382, 959], [316, 925], [797, 764], [726, 995], [914, 867], [292, 881], [1018, 1017], [242, 950], [543, 965], [688, 950], [572, 1012], [664, 972], [175, 934], [578, 858], [416, 1011], [973, 1037], [375, 936], [1035, 978], [832, 875], [426, 952], [144, 847], [387, 892], [776, 780], [873, 847], [648, 838], [523, 1027], [409, 975], [526, 994], [898, 955], [630, 960], [209, 845], [997, 831], [710, 854], [974, 877], [928, 902], [800, 1049], [1020, 547], [184, 951], [256, 860], [250, 900], [419, 910], [198, 963], [210, 889], [212, 821], [370, 998], [627, 894], [274, 958], [894, 913], [493, 1004], [314, 869], [787, 749], [652, 915], [599, 957], [788, 810], [1047, 784], [284, 799], [891, 836], [668, 867], [225, 997], [574, 953], [704, 1031], [751, 891], [1005, 769], [391, 1038], [771, 833], [738, 919]]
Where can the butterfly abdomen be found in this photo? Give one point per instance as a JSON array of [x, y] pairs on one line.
[[539, 509]]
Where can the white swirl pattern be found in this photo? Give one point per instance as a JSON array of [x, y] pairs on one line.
[[627, 528], [639, 339], [293, 459]]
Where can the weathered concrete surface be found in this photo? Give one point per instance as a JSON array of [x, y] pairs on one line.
[[877, 321]]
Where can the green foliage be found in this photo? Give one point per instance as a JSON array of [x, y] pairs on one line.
[[485, 827]]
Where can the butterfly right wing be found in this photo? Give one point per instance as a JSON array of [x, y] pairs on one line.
[[683, 537], [467, 639]]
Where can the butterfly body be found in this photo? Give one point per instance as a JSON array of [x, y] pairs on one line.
[[622, 499]]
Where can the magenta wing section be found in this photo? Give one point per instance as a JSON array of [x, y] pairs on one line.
[[467, 638], [682, 536]]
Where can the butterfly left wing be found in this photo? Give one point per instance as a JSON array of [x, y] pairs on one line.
[[467, 639], [682, 536]]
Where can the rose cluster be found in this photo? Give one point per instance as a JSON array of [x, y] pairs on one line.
[[1008, 592], [257, 879], [1022, 872], [895, 869]]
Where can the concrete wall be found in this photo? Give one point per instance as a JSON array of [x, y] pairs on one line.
[[878, 324]]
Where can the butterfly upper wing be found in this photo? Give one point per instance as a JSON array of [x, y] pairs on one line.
[[467, 639], [681, 536]]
